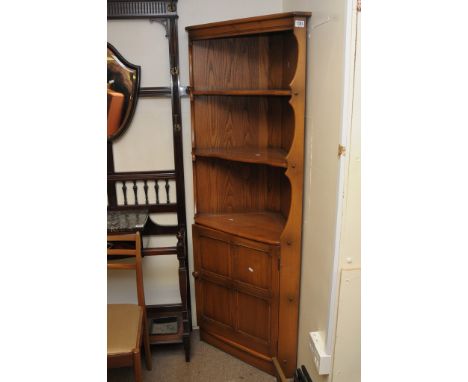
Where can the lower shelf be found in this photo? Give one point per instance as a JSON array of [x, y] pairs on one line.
[[265, 227], [167, 338], [182, 336]]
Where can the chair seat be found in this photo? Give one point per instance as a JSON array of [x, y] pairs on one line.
[[124, 322]]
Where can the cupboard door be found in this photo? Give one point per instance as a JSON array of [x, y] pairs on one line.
[[216, 305], [213, 285], [237, 282], [253, 266], [256, 285]]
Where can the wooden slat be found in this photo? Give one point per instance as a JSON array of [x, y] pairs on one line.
[[150, 175], [161, 91], [155, 91], [121, 266], [159, 251], [121, 237], [121, 252]]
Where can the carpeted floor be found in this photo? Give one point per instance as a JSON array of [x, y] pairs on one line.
[[206, 364]]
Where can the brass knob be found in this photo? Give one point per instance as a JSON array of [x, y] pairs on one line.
[[195, 274]]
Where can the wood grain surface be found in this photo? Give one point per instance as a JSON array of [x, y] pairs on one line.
[[242, 122], [229, 187], [247, 97], [265, 227], [255, 63]]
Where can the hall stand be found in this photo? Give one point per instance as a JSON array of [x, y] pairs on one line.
[[164, 12]]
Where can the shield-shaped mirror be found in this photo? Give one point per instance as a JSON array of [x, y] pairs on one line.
[[123, 84]]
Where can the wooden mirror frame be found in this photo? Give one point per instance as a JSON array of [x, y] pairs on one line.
[[134, 96]]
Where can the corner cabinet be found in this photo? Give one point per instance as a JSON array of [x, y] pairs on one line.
[[247, 91]]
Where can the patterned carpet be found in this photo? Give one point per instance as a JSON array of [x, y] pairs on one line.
[[207, 364]]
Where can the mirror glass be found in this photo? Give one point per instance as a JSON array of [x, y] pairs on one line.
[[123, 82]]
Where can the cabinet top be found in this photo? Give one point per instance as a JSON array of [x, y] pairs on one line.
[[252, 25]]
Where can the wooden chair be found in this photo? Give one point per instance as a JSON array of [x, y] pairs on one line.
[[126, 323]]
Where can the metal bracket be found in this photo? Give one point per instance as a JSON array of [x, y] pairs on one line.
[[175, 71], [341, 151], [164, 23]]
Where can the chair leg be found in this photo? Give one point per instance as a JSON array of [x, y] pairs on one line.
[[146, 344], [137, 366], [186, 340]]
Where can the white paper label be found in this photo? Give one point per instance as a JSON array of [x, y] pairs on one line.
[[299, 23]]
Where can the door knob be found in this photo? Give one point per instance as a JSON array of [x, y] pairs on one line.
[[195, 274]]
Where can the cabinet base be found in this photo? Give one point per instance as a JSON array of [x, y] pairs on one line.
[[253, 358]]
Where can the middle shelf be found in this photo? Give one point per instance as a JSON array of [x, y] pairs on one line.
[[242, 92], [271, 156], [224, 186]]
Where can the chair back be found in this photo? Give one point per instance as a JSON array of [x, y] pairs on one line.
[[127, 246]]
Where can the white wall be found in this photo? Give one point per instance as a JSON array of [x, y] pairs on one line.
[[326, 108], [150, 134], [347, 352]]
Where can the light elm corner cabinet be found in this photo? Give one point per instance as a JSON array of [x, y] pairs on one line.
[[247, 92]]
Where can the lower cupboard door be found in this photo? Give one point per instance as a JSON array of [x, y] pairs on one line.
[[255, 323], [215, 304], [239, 317]]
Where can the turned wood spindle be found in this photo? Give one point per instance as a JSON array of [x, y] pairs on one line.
[[156, 190], [124, 190], [145, 188], [167, 191], [135, 191]]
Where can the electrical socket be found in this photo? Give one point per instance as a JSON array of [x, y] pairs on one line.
[[322, 360]]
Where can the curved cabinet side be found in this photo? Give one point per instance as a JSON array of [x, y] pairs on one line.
[[291, 236]]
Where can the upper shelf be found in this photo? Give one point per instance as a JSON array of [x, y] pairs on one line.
[[243, 92], [252, 25], [244, 65], [272, 157]]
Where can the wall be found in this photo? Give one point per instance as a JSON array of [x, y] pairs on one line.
[[327, 103], [150, 134], [347, 352]]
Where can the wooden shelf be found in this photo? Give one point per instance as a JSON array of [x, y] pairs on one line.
[[271, 157], [243, 92], [265, 227], [172, 338]]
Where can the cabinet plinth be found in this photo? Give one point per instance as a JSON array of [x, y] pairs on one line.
[[247, 81]]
